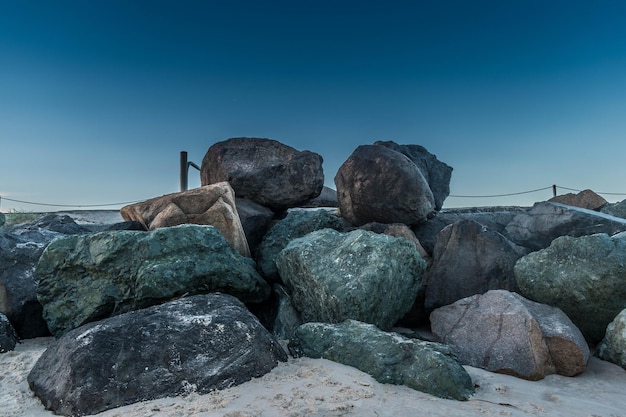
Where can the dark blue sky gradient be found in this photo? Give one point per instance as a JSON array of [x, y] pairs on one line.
[[97, 98]]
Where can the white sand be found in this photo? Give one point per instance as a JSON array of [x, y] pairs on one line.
[[316, 387]]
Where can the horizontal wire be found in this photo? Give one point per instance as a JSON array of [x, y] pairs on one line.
[[68, 205], [500, 195]]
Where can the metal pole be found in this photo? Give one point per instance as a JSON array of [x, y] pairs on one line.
[[184, 167], [554, 190]]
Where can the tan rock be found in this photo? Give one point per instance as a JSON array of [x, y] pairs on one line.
[[209, 205], [586, 199]]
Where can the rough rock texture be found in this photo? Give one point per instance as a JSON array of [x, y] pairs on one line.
[[495, 218], [8, 337], [613, 346], [436, 173], [327, 198], [502, 332], [287, 318], [586, 199], [21, 246], [398, 230], [359, 275], [296, 224], [210, 205], [255, 220], [378, 184], [2, 219], [545, 222], [388, 357], [265, 171], [90, 277], [469, 259], [195, 344], [583, 276], [617, 209]]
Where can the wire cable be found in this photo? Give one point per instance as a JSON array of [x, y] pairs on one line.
[[69, 205], [500, 195]]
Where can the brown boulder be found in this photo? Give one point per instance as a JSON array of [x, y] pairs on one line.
[[586, 199], [212, 205]]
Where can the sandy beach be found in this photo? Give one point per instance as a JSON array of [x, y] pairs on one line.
[[318, 387]]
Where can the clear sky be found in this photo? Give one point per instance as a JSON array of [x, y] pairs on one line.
[[97, 98]]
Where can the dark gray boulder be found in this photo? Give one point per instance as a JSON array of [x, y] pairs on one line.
[[388, 357], [502, 332], [21, 245], [255, 220], [436, 173], [287, 318], [85, 278], [495, 218], [583, 276], [196, 344], [327, 198], [265, 171], [378, 184], [616, 209], [8, 337], [359, 275], [613, 346], [296, 224], [546, 221], [469, 259], [2, 219]]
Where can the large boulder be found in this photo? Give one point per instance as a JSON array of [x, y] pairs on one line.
[[84, 278], [296, 224], [436, 173], [359, 275], [613, 346], [583, 276], [265, 171], [378, 184], [617, 209], [255, 220], [388, 357], [586, 199], [495, 218], [469, 259], [196, 344], [21, 245], [503, 332], [8, 337], [210, 205], [539, 226]]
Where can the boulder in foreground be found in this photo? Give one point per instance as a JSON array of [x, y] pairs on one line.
[[503, 332], [613, 346], [196, 344], [388, 357]]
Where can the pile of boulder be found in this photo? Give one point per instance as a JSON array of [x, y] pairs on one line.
[[195, 290]]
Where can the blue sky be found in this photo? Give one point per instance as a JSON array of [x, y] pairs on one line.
[[97, 98]]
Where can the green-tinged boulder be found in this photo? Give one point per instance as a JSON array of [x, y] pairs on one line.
[[583, 276], [85, 278], [613, 346], [359, 275], [296, 224], [388, 357]]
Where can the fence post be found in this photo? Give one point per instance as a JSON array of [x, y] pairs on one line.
[[554, 190], [184, 168]]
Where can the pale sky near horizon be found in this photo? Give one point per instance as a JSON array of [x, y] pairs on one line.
[[97, 98]]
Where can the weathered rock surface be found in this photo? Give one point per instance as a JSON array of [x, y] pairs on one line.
[[388, 357], [212, 205], [502, 332], [287, 318], [195, 344], [586, 199], [436, 173], [616, 209], [296, 224], [378, 184], [359, 275], [495, 218], [469, 259], [85, 278], [21, 246], [327, 198], [545, 222], [255, 220], [2, 219], [583, 276], [398, 230], [8, 337], [265, 171], [613, 346]]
